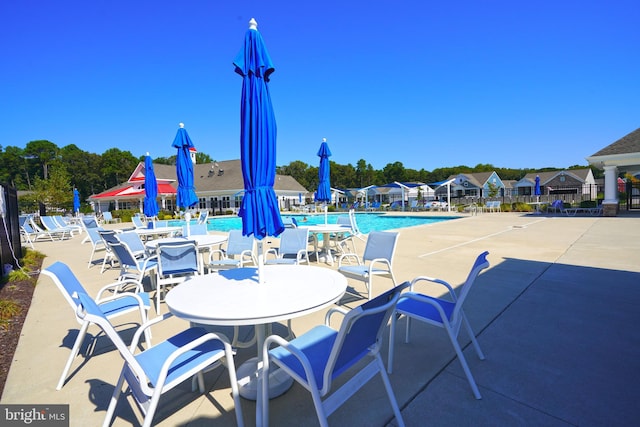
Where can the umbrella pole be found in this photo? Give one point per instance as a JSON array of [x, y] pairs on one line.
[[260, 263], [325, 213]]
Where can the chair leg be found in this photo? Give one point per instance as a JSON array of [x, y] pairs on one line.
[[392, 338], [472, 336], [463, 362], [387, 386], [114, 401], [74, 352]]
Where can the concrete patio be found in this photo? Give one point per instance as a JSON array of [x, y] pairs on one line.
[[556, 315]]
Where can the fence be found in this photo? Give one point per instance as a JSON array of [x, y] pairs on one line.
[[10, 246]]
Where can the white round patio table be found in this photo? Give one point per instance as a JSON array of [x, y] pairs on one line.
[[326, 230], [235, 298], [202, 240]]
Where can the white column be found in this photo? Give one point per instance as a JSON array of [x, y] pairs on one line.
[[610, 185]]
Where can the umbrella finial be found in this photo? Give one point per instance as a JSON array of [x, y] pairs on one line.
[[324, 139], [253, 24], [147, 153], [181, 125]]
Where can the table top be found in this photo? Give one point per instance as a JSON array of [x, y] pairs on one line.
[[200, 239], [159, 230], [326, 228], [234, 297]]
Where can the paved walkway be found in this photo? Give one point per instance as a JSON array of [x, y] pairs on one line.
[[556, 315]]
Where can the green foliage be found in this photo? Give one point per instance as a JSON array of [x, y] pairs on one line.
[[8, 309]]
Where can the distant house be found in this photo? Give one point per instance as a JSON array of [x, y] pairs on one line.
[[565, 183], [219, 187], [475, 185]]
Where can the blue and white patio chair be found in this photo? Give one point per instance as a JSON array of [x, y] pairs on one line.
[[376, 260], [440, 312], [137, 222], [322, 355], [64, 222], [97, 244], [30, 233], [177, 262], [194, 230], [160, 368], [202, 218], [292, 249], [130, 265], [54, 229], [114, 303], [238, 253], [108, 218]]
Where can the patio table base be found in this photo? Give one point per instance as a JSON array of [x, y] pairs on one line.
[[279, 381]]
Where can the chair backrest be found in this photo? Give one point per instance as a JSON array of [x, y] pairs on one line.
[[49, 223], [360, 333], [137, 221], [161, 224], [109, 236], [178, 258], [132, 239], [237, 243], [94, 236], [380, 244], [107, 216], [202, 219], [66, 281], [289, 222], [293, 240], [480, 264], [89, 222], [354, 223], [194, 230], [343, 220]]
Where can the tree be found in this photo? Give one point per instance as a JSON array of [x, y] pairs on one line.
[[45, 151], [117, 166], [55, 192]]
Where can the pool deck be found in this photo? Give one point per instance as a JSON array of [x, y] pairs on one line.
[[556, 315]]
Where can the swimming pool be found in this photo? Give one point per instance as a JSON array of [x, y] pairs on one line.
[[366, 221]]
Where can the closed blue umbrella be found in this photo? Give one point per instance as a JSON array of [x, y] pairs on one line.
[[76, 201], [150, 206], [536, 189], [186, 194], [259, 210], [323, 194]]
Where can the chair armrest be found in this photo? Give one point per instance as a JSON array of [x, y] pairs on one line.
[[349, 256], [117, 287], [332, 311], [379, 261], [302, 358], [273, 251], [210, 336], [452, 293], [146, 325], [221, 254], [248, 254]]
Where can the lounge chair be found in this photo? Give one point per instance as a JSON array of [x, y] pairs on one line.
[[30, 232], [54, 229]]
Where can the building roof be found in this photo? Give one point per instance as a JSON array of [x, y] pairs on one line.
[[221, 177], [629, 143]]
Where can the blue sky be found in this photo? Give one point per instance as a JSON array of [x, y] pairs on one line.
[[429, 84]]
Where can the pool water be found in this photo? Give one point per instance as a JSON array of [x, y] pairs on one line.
[[366, 221]]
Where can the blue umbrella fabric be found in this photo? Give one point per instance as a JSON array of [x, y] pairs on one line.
[[186, 194], [76, 201], [324, 185], [150, 206], [259, 210], [536, 189]]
